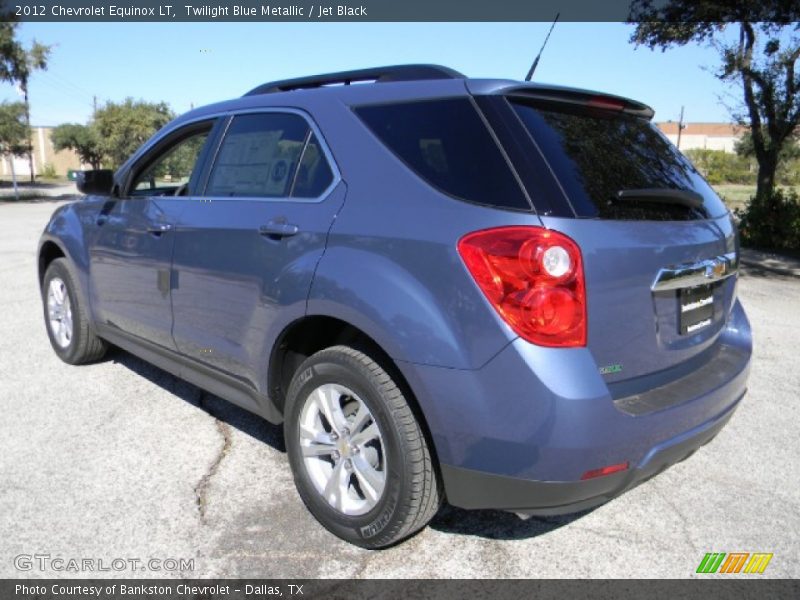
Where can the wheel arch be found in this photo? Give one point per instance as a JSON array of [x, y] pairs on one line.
[[49, 251], [312, 333]]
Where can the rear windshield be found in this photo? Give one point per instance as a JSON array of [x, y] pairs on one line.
[[596, 154], [446, 143]]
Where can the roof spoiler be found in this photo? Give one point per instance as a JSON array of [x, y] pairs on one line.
[[582, 98], [375, 74]]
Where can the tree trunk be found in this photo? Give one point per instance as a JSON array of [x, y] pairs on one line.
[[29, 149], [765, 185], [767, 167]]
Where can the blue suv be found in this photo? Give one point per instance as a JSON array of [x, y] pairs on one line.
[[500, 294]]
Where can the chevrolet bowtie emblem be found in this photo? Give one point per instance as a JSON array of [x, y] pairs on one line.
[[716, 269]]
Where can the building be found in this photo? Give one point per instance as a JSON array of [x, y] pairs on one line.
[[708, 136], [43, 154]]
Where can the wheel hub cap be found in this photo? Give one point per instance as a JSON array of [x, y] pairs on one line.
[[59, 312], [343, 450]]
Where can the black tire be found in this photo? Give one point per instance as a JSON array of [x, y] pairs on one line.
[[411, 494], [84, 346]]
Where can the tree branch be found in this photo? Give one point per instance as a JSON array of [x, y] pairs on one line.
[[791, 89]]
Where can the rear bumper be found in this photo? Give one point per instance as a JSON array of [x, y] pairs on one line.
[[475, 489], [519, 433]]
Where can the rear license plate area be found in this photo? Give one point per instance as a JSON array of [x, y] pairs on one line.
[[695, 308]]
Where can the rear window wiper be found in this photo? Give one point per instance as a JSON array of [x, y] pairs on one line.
[[663, 196]]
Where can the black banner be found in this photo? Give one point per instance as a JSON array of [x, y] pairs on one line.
[[316, 10], [739, 587], [365, 10]]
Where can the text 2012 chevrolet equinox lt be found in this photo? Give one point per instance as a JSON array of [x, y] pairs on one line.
[[499, 294]]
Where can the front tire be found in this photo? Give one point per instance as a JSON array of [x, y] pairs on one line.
[[66, 319], [360, 459]]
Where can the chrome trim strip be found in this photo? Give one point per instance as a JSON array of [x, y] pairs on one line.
[[694, 274]]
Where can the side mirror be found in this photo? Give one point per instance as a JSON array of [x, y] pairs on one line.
[[95, 183]]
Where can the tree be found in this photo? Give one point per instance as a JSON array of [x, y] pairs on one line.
[[718, 166], [17, 64], [788, 172], [762, 59], [123, 127], [13, 129], [14, 133], [789, 151], [83, 139]]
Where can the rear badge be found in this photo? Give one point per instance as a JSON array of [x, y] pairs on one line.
[[610, 369]]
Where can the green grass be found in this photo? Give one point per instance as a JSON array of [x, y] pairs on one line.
[[26, 180], [737, 196], [6, 196], [56, 179]]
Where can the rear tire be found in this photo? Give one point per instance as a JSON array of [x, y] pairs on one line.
[[66, 319], [372, 486]]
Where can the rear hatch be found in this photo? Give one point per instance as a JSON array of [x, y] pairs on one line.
[[658, 244]]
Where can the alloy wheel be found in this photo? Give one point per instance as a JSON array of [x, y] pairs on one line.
[[59, 312], [343, 450]]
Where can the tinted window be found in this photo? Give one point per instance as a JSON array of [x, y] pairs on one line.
[[596, 154], [446, 143], [258, 156], [169, 173], [314, 174]]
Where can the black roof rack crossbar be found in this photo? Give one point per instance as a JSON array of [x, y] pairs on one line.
[[376, 74]]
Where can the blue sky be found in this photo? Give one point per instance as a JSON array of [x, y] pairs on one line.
[[200, 63]]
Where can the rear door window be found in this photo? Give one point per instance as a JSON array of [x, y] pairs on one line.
[[596, 154], [447, 144], [314, 174], [259, 156]]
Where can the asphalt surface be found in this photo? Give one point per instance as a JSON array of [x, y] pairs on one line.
[[121, 460]]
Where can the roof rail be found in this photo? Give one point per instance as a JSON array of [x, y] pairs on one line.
[[376, 74]]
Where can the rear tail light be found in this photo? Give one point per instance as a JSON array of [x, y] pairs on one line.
[[534, 278]]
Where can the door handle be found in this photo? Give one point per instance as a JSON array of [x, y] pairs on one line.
[[157, 229], [278, 229]]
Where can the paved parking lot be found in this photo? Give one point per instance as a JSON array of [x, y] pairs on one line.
[[121, 460]]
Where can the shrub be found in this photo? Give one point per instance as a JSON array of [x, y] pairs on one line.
[[48, 171], [771, 221], [718, 166], [788, 172]]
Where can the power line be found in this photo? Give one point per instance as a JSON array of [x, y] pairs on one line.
[[53, 85], [57, 88], [68, 83]]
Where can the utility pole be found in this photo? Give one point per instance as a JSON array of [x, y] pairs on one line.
[[94, 107], [681, 127]]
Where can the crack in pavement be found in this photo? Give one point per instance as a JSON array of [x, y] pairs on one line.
[[362, 568], [684, 520], [201, 489]]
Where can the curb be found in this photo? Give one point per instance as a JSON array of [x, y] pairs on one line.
[[757, 260]]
